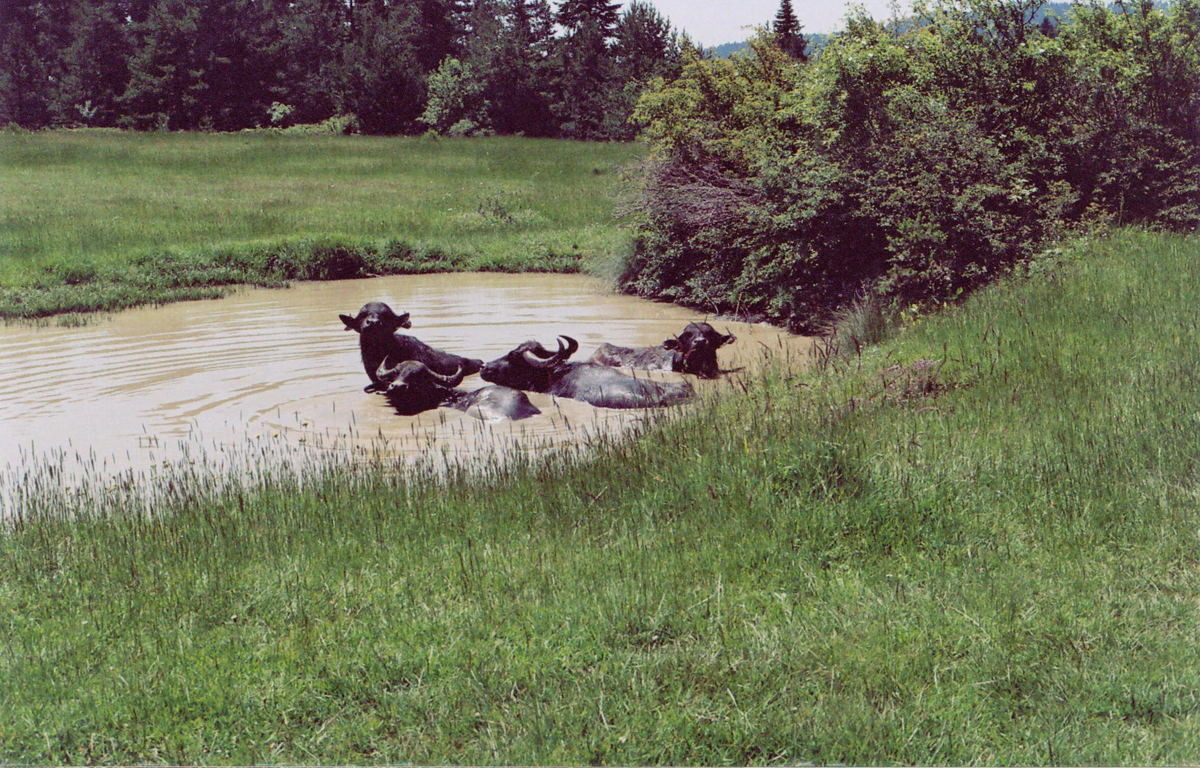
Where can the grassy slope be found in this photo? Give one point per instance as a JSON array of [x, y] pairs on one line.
[[102, 219], [1001, 570]]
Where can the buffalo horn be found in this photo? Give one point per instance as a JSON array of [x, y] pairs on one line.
[[451, 381], [562, 354], [383, 373]]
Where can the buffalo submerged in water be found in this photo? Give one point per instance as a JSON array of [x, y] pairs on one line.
[[412, 388], [379, 340], [694, 351], [532, 367]]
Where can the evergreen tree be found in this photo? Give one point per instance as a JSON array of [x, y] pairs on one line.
[[95, 65], [645, 48], [572, 14], [584, 78], [440, 30], [386, 83], [543, 41], [312, 74], [166, 75], [645, 44], [787, 32], [26, 74], [237, 45], [519, 100]]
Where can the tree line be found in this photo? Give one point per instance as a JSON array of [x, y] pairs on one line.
[[377, 66]]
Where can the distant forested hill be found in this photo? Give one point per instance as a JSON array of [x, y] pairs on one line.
[[817, 40], [725, 50]]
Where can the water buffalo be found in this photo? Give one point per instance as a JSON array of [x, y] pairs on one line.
[[531, 366], [693, 351], [413, 388], [378, 340]]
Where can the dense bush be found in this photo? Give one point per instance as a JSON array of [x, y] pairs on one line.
[[916, 160]]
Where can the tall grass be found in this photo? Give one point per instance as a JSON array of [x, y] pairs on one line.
[[990, 557], [105, 219]]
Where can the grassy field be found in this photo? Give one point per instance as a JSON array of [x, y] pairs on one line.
[[991, 559], [105, 219]]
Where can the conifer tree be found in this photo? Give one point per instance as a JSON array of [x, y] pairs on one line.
[[95, 66], [440, 30], [645, 48], [26, 71], [312, 73], [584, 78], [520, 103], [573, 13], [386, 84], [787, 32], [166, 74]]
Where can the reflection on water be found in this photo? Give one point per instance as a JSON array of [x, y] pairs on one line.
[[201, 380]]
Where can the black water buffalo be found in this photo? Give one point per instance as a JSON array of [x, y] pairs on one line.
[[531, 366], [413, 388], [693, 351], [378, 340]]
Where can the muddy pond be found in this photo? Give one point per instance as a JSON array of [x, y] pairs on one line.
[[264, 372]]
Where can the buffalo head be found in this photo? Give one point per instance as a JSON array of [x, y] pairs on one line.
[[376, 319], [529, 366], [698, 344], [413, 388]]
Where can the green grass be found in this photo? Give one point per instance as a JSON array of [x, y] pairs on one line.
[[105, 219], [993, 559]]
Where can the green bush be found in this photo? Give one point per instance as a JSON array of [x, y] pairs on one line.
[[916, 161]]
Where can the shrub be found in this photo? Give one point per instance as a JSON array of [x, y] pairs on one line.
[[921, 162]]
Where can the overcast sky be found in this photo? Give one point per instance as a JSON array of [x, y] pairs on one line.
[[712, 22]]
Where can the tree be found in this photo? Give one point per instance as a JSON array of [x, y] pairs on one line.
[[386, 81], [166, 75], [313, 79], [573, 14], [455, 104], [584, 78], [645, 48], [787, 32], [95, 65], [645, 45], [26, 73], [238, 45], [519, 102], [440, 26]]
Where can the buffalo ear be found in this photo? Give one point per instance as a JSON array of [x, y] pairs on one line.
[[403, 322], [671, 344], [351, 323], [727, 340]]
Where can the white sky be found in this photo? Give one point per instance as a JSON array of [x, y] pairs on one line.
[[712, 22]]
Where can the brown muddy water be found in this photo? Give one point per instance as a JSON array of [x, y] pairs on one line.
[[264, 375]]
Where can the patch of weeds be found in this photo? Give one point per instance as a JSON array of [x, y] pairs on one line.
[[867, 321], [499, 212], [918, 379]]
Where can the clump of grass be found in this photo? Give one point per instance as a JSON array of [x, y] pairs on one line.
[[865, 322], [1000, 566]]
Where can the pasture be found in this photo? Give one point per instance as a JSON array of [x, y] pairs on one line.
[[988, 558], [105, 219]]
